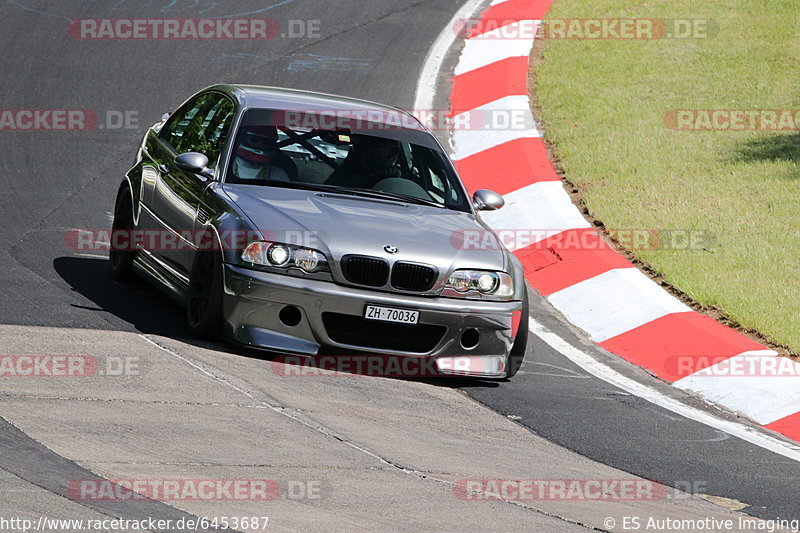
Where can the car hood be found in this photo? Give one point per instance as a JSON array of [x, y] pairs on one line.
[[340, 224]]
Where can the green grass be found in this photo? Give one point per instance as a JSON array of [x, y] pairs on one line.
[[603, 105]]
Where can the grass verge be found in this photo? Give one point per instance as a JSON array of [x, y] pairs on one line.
[[604, 104]]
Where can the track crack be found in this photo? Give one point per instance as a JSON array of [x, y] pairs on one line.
[[282, 410]]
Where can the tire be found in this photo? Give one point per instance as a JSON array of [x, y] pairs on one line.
[[204, 309], [122, 258], [517, 354]]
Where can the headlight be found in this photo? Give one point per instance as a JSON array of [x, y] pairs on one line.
[[284, 256], [485, 282], [488, 282], [308, 260], [279, 255]]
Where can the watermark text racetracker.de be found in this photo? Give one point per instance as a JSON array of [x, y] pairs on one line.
[[193, 29], [204, 490], [587, 28], [378, 365], [495, 119], [733, 119], [20, 120], [559, 490], [576, 490], [543, 239], [757, 364], [68, 366], [158, 240]]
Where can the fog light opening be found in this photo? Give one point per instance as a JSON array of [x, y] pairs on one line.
[[470, 339], [290, 316]]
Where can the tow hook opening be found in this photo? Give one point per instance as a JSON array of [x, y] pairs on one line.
[[470, 339], [290, 316]]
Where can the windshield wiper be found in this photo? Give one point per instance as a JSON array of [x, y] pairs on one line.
[[353, 191], [290, 185], [395, 196]]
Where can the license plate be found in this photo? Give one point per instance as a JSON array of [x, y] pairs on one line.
[[390, 314]]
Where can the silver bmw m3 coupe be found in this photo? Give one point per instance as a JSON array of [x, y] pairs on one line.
[[294, 221]]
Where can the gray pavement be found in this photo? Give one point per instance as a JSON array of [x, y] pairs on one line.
[[348, 452]]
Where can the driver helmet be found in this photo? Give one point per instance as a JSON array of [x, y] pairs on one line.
[[375, 153], [258, 144]]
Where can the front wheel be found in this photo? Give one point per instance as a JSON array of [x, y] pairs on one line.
[[204, 310], [517, 354], [121, 255]]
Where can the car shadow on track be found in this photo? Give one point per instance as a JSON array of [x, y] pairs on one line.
[[148, 311], [138, 304]]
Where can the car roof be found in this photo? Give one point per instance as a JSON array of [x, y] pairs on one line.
[[358, 116], [262, 97]]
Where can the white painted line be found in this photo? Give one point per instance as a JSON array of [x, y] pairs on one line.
[[493, 124], [601, 371], [470, 142], [517, 104], [533, 213], [429, 75], [761, 385], [490, 47], [614, 302]]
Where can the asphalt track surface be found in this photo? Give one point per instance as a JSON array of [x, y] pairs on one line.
[[55, 181]]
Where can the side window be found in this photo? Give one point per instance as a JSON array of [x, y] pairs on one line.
[[215, 129], [202, 126], [175, 130], [440, 186]]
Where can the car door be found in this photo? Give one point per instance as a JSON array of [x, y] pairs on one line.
[[202, 125]]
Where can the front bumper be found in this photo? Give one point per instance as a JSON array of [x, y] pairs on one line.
[[332, 315]]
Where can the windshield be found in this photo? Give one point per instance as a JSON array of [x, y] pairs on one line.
[[394, 163]]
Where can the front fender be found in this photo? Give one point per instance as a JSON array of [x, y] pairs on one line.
[[518, 273], [232, 230]]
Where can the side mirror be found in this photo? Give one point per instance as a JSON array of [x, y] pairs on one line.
[[486, 200], [194, 162]]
